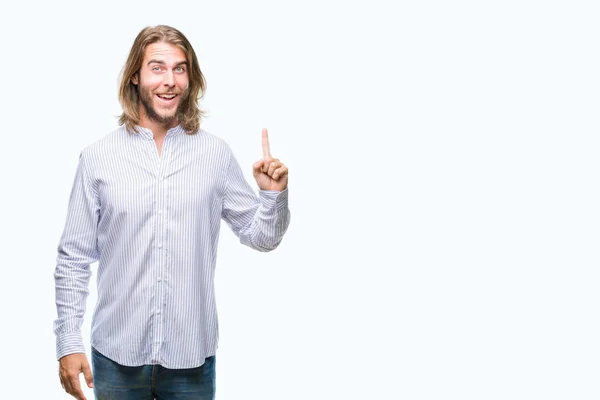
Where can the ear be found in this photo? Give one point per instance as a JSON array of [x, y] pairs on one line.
[[134, 79]]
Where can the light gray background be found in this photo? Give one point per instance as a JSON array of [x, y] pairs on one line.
[[443, 185]]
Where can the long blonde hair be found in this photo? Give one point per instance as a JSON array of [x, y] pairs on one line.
[[191, 114]]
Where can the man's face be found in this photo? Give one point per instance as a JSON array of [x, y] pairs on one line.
[[162, 82]]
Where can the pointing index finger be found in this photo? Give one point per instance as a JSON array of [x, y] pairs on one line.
[[265, 144]]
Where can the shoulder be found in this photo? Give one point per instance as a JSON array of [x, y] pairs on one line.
[[209, 137], [107, 144], [209, 141]]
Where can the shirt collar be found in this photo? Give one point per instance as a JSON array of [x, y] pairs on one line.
[[148, 134]]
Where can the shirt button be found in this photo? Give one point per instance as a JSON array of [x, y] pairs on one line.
[[159, 246], [158, 312], [159, 212], [159, 279]]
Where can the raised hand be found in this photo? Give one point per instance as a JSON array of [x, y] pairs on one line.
[[269, 172]]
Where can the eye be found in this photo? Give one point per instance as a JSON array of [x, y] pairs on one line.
[[156, 68], [180, 69]]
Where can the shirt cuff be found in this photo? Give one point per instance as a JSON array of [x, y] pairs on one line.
[[69, 343], [274, 199]]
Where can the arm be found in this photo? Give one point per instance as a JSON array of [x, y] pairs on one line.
[[260, 222], [76, 251]]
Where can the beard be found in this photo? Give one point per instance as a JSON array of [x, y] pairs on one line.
[[167, 116]]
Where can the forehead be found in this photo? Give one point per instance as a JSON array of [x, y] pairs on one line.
[[164, 51]]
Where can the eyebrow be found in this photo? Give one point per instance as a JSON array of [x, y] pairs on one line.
[[163, 63]]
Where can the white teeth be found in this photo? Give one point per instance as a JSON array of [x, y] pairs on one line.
[[169, 96]]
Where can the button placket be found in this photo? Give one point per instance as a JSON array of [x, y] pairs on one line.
[[160, 247]]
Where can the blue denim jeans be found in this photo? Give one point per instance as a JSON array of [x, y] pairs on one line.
[[148, 382]]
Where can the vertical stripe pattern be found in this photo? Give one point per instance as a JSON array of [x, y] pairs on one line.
[[152, 222]]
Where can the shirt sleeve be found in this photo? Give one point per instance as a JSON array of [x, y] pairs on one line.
[[260, 221], [77, 249]]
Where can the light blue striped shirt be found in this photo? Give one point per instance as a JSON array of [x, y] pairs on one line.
[[152, 222]]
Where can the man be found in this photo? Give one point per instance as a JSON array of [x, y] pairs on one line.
[[146, 203]]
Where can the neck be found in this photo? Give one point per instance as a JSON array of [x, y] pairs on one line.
[[158, 129]]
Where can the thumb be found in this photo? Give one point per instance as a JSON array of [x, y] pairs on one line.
[[87, 374], [257, 167]]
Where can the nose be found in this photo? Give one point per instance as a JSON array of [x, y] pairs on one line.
[[169, 79]]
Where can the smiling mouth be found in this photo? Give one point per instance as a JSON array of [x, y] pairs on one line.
[[166, 96]]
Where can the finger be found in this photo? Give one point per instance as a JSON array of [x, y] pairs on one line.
[[272, 167], [267, 164], [68, 387], [76, 388], [280, 172], [257, 167], [87, 373], [66, 384], [265, 144]]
